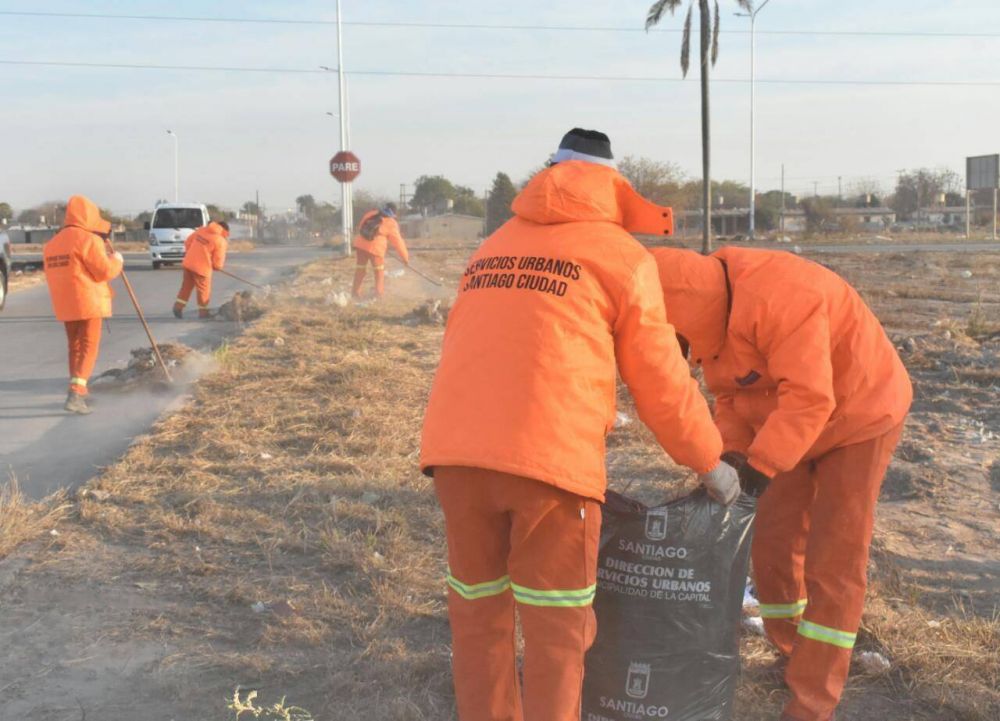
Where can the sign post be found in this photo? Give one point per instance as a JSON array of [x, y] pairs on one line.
[[345, 167], [982, 172]]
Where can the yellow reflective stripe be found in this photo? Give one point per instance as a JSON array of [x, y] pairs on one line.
[[563, 598], [783, 610], [825, 634], [78, 382], [181, 302], [471, 592]]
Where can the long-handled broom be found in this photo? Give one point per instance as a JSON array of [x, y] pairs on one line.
[[142, 318]]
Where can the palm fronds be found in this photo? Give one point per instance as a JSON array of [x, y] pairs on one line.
[[686, 42], [715, 35], [746, 5], [657, 9]]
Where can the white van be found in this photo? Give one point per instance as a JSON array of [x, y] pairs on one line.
[[172, 223]]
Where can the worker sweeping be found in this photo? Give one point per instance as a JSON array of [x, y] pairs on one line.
[[514, 435], [810, 397], [78, 267], [204, 252], [377, 231]]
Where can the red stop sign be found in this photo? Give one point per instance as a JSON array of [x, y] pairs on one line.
[[345, 166]]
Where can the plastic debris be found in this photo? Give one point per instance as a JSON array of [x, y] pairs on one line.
[[873, 662], [399, 273], [258, 607], [279, 341], [754, 625], [266, 456], [622, 420]]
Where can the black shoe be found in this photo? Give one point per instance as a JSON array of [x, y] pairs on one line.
[[178, 311], [75, 403]]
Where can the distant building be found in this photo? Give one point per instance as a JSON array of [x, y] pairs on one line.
[[31, 233], [869, 219], [942, 215]]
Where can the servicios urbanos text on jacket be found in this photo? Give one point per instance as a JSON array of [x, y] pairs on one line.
[[205, 249], [798, 364], [547, 307], [78, 266]]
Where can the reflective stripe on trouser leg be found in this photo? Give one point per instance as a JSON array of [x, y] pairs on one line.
[[840, 530], [783, 610], [572, 598], [181, 301], [474, 591], [825, 634]]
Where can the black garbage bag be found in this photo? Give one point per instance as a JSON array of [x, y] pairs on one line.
[[670, 582]]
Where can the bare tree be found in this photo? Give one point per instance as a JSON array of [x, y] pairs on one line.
[[709, 54]]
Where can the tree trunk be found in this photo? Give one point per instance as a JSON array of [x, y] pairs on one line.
[[706, 135]]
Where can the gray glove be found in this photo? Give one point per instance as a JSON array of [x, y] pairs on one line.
[[722, 483]]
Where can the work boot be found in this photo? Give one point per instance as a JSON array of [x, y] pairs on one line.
[[178, 311], [204, 313], [76, 403]]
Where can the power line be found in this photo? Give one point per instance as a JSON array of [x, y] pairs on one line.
[[499, 76], [485, 26]]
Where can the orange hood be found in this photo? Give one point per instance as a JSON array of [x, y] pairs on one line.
[[696, 294], [82, 213], [576, 190]]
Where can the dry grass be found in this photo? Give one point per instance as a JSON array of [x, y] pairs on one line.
[[22, 280], [285, 540], [22, 520]]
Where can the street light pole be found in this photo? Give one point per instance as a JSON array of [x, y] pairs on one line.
[[753, 110], [346, 209], [176, 166]]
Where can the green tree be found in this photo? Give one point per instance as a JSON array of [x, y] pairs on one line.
[[306, 205], [709, 35], [6, 213], [468, 203], [250, 208], [498, 210], [819, 214], [432, 192]]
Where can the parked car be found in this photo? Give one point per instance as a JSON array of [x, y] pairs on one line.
[[169, 227], [6, 264]]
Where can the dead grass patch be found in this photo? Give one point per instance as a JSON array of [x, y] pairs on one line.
[[22, 519]]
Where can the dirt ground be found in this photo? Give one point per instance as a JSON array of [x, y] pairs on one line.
[[275, 534]]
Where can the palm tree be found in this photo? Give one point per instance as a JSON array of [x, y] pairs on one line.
[[709, 54]]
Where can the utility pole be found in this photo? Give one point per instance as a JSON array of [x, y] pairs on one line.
[[177, 153], [257, 225], [346, 221], [815, 188], [781, 221], [840, 190], [753, 110]]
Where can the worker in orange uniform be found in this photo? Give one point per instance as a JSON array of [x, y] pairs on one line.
[[810, 397], [514, 435], [204, 253], [377, 231], [78, 267]]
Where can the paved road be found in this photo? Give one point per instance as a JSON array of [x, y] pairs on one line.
[[44, 447]]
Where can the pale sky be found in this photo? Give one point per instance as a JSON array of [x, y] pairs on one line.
[[102, 132]]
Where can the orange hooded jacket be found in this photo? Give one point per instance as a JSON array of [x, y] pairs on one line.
[[547, 307], [205, 249], [388, 234], [77, 265], [797, 362]]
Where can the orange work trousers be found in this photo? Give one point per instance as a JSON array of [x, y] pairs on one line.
[[192, 281], [84, 338], [517, 543], [810, 556], [378, 268]]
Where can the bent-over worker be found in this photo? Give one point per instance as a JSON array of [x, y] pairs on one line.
[[810, 396], [204, 253], [377, 230]]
